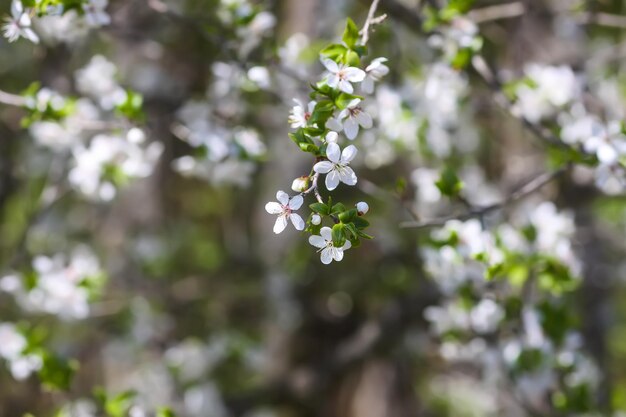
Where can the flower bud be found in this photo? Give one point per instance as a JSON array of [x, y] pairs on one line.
[[362, 208], [300, 184], [316, 219], [332, 137]]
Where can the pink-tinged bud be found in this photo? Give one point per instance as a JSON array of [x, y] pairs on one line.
[[316, 219], [300, 184], [362, 208]]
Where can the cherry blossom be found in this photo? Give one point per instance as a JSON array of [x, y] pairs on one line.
[[18, 24], [336, 167], [341, 76], [285, 209], [354, 116], [324, 241], [374, 73], [95, 14], [299, 115], [362, 208]]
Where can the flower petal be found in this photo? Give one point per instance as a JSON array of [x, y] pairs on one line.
[[346, 245], [351, 128], [332, 180], [333, 80], [348, 154], [281, 223], [317, 241], [330, 65], [334, 124], [354, 74], [347, 176], [367, 86], [273, 208], [296, 202], [297, 221], [327, 233], [364, 119], [323, 167], [337, 254], [282, 197], [327, 255], [345, 86], [333, 152], [354, 102]]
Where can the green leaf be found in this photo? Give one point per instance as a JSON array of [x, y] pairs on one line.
[[351, 58], [165, 412], [57, 373], [299, 138], [337, 208], [334, 51], [308, 147], [462, 58], [449, 183], [344, 99], [350, 34], [320, 208], [132, 107], [338, 235], [360, 223], [348, 215]]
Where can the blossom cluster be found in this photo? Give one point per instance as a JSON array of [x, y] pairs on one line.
[[58, 285], [224, 151], [333, 112], [98, 130], [554, 95], [55, 21], [508, 281]]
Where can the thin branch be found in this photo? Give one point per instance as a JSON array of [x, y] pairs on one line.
[[497, 12], [602, 19], [370, 21], [529, 188], [12, 99]]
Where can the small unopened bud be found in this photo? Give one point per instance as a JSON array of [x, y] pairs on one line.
[[332, 137], [316, 219], [362, 208], [300, 184]]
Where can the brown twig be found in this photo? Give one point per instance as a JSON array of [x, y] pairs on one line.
[[497, 12], [371, 20], [12, 99], [474, 212]]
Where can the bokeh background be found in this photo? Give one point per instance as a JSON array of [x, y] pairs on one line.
[[204, 309]]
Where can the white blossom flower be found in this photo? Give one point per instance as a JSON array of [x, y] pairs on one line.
[[107, 155], [22, 367], [299, 116], [12, 343], [354, 116], [285, 209], [553, 87], [18, 24], [374, 72], [324, 242], [300, 184], [95, 16], [362, 208], [608, 143], [98, 80], [336, 167], [316, 219], [341, 76]]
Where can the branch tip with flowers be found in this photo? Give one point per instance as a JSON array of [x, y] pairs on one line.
[[334, 108]]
